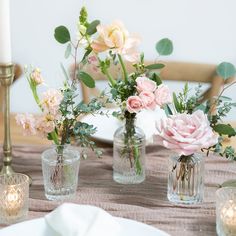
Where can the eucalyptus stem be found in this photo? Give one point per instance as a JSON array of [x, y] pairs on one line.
[[110, 78], [133, 148], [123, 68]]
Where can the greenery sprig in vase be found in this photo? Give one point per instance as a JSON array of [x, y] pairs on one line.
[[132, 91], [192, 126], [61, 110]]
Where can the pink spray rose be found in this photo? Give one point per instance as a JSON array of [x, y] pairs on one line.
[[134, 104], [51, 101], [148, 100], [163, 95], [145, 84], [27, 121], [186, 133], [116, 38]]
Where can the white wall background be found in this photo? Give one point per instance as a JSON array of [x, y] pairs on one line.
[[202, 31]]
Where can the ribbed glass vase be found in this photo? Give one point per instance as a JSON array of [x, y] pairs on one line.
[[186, 179]]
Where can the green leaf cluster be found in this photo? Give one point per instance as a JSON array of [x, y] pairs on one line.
[[164, 47]]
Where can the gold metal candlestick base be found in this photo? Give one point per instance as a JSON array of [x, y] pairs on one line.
[[6, 78]]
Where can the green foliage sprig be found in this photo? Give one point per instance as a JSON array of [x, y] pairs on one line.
[[216, 109]]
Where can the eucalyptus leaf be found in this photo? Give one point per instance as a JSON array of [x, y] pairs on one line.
[[155, 77], [226, 70], [62, 34], [155, 66], [86, 79], [88, 51], [225, 129], [176, 103], [224, 98], [167, 110], [164, 47], [201, 107], [92, 28], [68, 51]]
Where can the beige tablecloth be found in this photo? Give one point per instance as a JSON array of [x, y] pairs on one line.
[[145, 202]]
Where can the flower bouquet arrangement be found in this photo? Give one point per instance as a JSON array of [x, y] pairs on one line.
[[193, 126], [61, 112], [135, 90]]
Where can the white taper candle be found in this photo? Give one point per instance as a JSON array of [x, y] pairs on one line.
[[5, 36]]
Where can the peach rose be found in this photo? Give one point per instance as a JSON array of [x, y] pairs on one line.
[[186, 133], [27, 121], [145, 84], [134, 104], [163, 95], [116, 38], [148, 100]]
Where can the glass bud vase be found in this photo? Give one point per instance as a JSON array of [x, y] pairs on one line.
[[129, 154], [186, 179], [60, 166]]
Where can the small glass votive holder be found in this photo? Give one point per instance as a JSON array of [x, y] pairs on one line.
[[14, 198], [226, 211]]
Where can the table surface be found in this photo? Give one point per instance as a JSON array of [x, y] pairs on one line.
[[145, 202]]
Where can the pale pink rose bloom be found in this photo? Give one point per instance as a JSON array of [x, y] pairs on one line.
[[186, 133], [116, 38], [27, 121], [36, 76], [51, 101], [148, 100], [45, 124], [145, 84], [134, 104], [163, 95]]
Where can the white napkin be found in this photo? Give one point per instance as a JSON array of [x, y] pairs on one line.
[[82, 220]]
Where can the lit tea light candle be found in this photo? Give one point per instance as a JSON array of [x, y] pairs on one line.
[[13, 202], [228, 218], [14, 197]]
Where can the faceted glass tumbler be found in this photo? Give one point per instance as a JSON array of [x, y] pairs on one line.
[[60, 165], [186, 179], [129, 156], [226, 211], [14, 198]]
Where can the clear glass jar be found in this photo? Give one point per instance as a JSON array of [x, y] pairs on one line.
[[129, 154], [60, 165], [186, 179], [226, 211]]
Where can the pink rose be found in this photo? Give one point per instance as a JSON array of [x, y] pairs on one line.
[[116, 38], [163, 95], [148, 100], [145, 84], [186, 133], [134, 104]]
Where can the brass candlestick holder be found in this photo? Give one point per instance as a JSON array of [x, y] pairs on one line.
[[6, 78]]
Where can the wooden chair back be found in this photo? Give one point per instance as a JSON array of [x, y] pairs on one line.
[[173, 71]]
